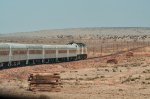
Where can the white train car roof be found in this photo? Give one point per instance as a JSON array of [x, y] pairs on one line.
[[60, 46], [4, 45], [17, 45], [34, 46], [49, 46], [12, 45], [65, 46]]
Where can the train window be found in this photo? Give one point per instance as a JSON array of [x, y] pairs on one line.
[[62, 51], [16, 52], [35, 51], [72, 51], [4, 52], [50, 51]]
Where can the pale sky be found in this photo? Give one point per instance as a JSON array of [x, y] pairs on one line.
[[32, 15]]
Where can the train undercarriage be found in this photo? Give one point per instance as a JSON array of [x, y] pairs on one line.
[[41, 61]]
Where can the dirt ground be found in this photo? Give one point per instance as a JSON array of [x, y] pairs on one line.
[[86, 79]]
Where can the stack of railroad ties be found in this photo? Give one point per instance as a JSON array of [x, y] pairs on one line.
[[45, 82]]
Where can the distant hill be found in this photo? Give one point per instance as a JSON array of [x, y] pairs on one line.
[[85, 31]]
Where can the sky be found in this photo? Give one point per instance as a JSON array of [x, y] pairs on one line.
[[34, 15]]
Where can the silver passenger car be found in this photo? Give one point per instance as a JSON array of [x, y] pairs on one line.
[[18, 52], [4, 52], [49, 51], [35, 51], [66, 50]]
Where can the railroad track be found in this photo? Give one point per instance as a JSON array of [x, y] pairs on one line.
[[115, 54]]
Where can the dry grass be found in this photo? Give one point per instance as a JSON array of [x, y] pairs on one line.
[[88, 79]]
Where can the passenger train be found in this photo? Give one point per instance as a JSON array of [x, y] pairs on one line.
[[14, 54]]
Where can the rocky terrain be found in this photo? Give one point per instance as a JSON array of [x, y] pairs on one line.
[[86, 79]]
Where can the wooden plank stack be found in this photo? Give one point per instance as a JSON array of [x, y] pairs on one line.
[[45, 82]]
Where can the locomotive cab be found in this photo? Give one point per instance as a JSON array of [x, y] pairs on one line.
[[81, 50]]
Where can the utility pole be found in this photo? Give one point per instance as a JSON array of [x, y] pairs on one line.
[[101, 49]]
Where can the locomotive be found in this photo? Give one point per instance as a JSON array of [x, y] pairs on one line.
[[15, 54]]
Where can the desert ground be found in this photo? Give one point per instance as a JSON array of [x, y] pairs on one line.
[[93, 78]]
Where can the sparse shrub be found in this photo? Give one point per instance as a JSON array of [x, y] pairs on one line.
[[146, 71], [135, 64], [107, 70], [68, 78], [135, 78], [98, 69], [98, 93], [92, 78], [120, 89], [81, 79], [130, 78], [73, 71], [147, 78], [127, 80], [143, 82], [114, 70], [102, 76]]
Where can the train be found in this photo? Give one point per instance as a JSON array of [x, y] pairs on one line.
[[16, 54]]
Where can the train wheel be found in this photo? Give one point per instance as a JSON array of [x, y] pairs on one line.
[[1, 65], [43, 61], [9, 65]]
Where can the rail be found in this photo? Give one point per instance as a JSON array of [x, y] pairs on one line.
[[114, 54]]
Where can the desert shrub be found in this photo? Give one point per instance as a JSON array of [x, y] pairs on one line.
[[147, 78], [127, 80], [135, 64], [107, 70], [130, 78], [146, 71], [114, 70], [68, 78], [120, 89], [143, 82], [81, 79], [133, 79], [102, 76], [92, 78], [98, 69]]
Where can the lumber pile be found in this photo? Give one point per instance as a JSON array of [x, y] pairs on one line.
[[45, 82]]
